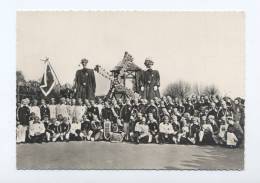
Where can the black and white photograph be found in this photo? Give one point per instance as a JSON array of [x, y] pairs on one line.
[[130, 90]]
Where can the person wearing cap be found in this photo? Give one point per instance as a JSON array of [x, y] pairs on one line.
[[149, 81], [85, 83]]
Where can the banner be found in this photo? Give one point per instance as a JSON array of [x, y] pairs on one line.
[[48, 81]]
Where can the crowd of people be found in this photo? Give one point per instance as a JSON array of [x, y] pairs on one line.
[[200, 120]]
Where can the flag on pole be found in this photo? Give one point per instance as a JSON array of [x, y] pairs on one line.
[[48, 81]]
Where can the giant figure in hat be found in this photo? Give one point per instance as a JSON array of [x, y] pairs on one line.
[[150, 81], [85, 83]]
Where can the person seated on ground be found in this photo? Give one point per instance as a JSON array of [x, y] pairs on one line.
[[235, 128], [20, 133], [53, 131], [97, 129], [86, 131], [117, 134], [141, 132], [65, 129], [74, 133], [153, 129], [222, 131], [232, 139], [133, 120], [238, 132], [184, 132], [194, 130], [36, 131], [175, 124], [206, 133], [215, 128], [45, 121], [31, 118], [166, 131]]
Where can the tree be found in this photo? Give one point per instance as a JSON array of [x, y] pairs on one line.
[[20, 78], [180, 89], [211, 90], [197, 89]]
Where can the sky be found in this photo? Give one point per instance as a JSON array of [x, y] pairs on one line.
[[198, 47]]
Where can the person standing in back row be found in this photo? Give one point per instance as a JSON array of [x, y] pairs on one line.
[[150, 81], [85, 83]]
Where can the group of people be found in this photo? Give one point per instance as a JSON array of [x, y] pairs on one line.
[[200, 120]]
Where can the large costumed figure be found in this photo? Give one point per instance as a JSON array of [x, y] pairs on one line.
[[149, 81], [85, 83]]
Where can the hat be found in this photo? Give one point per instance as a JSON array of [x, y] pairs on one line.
[[148, 61], [84, 60]]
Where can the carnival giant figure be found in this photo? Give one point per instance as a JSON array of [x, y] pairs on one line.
[[150, 81], [85, 83]]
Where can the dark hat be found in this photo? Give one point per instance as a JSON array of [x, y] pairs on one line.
[[84, 60], [148, 61]]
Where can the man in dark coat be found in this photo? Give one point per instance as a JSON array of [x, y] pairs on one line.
[[150, 81], [24, 113], [44, 109], [85, 83]]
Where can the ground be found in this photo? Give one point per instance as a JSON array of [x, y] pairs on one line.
[[105, 155]]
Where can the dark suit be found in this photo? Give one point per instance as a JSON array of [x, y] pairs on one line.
[[148, 80], [85, 84], [24, 115]]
